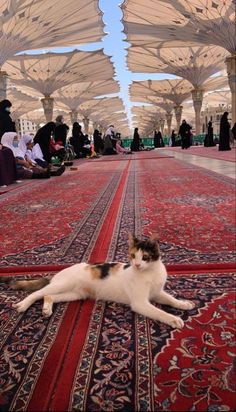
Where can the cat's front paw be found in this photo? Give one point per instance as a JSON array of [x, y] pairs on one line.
[[20, 306], [185, 305], [175, 322], [47, 311]]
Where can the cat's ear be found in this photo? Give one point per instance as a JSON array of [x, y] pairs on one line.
[[154, 237]]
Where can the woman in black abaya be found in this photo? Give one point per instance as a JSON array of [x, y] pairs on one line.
[[224, 133]]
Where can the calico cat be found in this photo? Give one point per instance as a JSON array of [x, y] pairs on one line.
[[134, 284]]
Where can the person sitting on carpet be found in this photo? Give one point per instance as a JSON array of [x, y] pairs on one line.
[[33, 155], [25, 169], [108, 142], [120, 149], [8, 173], [79, 141]]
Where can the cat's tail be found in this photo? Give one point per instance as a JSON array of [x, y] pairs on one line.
[[30, 285]]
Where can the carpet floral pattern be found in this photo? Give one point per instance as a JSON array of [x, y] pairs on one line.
[[121, 361], [57, 222], [192, 214]]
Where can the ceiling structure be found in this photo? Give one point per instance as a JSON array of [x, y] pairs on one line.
[[191, 39], [172, 23], [30, 24], [163, 27], [75, 94], [221, 97], [195, 64], [170, 94], [49, 72]]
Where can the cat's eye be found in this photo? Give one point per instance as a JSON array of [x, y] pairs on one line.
[[132, 255], [146, 258]]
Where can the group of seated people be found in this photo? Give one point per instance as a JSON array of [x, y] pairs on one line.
[[27, 157]]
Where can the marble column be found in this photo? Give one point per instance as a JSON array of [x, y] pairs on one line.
[[197, 96], [48, 103], [73, 116], [169, 120], [178, 115], [231, 70], [86, 124], [3, 85]]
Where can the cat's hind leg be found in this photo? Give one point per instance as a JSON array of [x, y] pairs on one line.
[[165, 299], [24, 304], [48, 301]]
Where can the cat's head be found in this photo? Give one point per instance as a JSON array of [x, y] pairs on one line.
[[143, 253]]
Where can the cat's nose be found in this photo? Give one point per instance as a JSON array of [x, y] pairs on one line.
[[137, 265]]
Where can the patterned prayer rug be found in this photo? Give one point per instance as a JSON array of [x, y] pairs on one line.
[[192, 210], [60, 218], [103, 357]]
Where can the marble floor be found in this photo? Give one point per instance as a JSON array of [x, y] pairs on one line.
[[219, 166]]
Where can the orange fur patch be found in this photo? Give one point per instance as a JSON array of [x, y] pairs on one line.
[[96, 272], [116, 268], [89, 292]]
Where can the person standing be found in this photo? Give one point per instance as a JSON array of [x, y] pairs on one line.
[[61, 130], [6, 122], [224, 139], [43, 138], [173, 136], [209, 138], [98, 142], [185, 134], [158, 140], [136, 142]]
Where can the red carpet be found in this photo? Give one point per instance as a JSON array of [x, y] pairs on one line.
[[211, 152], [101, 356], [192, 209], [97, 356], [61, 222]]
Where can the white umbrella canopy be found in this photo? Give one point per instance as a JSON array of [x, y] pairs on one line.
[[31, 24], [174, 90], [37, 116], [115, 104], [48, 72], [174, 23], [217, 98], [77, 93], [195, 64], [15, 95], [21, 108]]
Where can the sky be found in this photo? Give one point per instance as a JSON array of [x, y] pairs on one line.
[[115, 46]]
